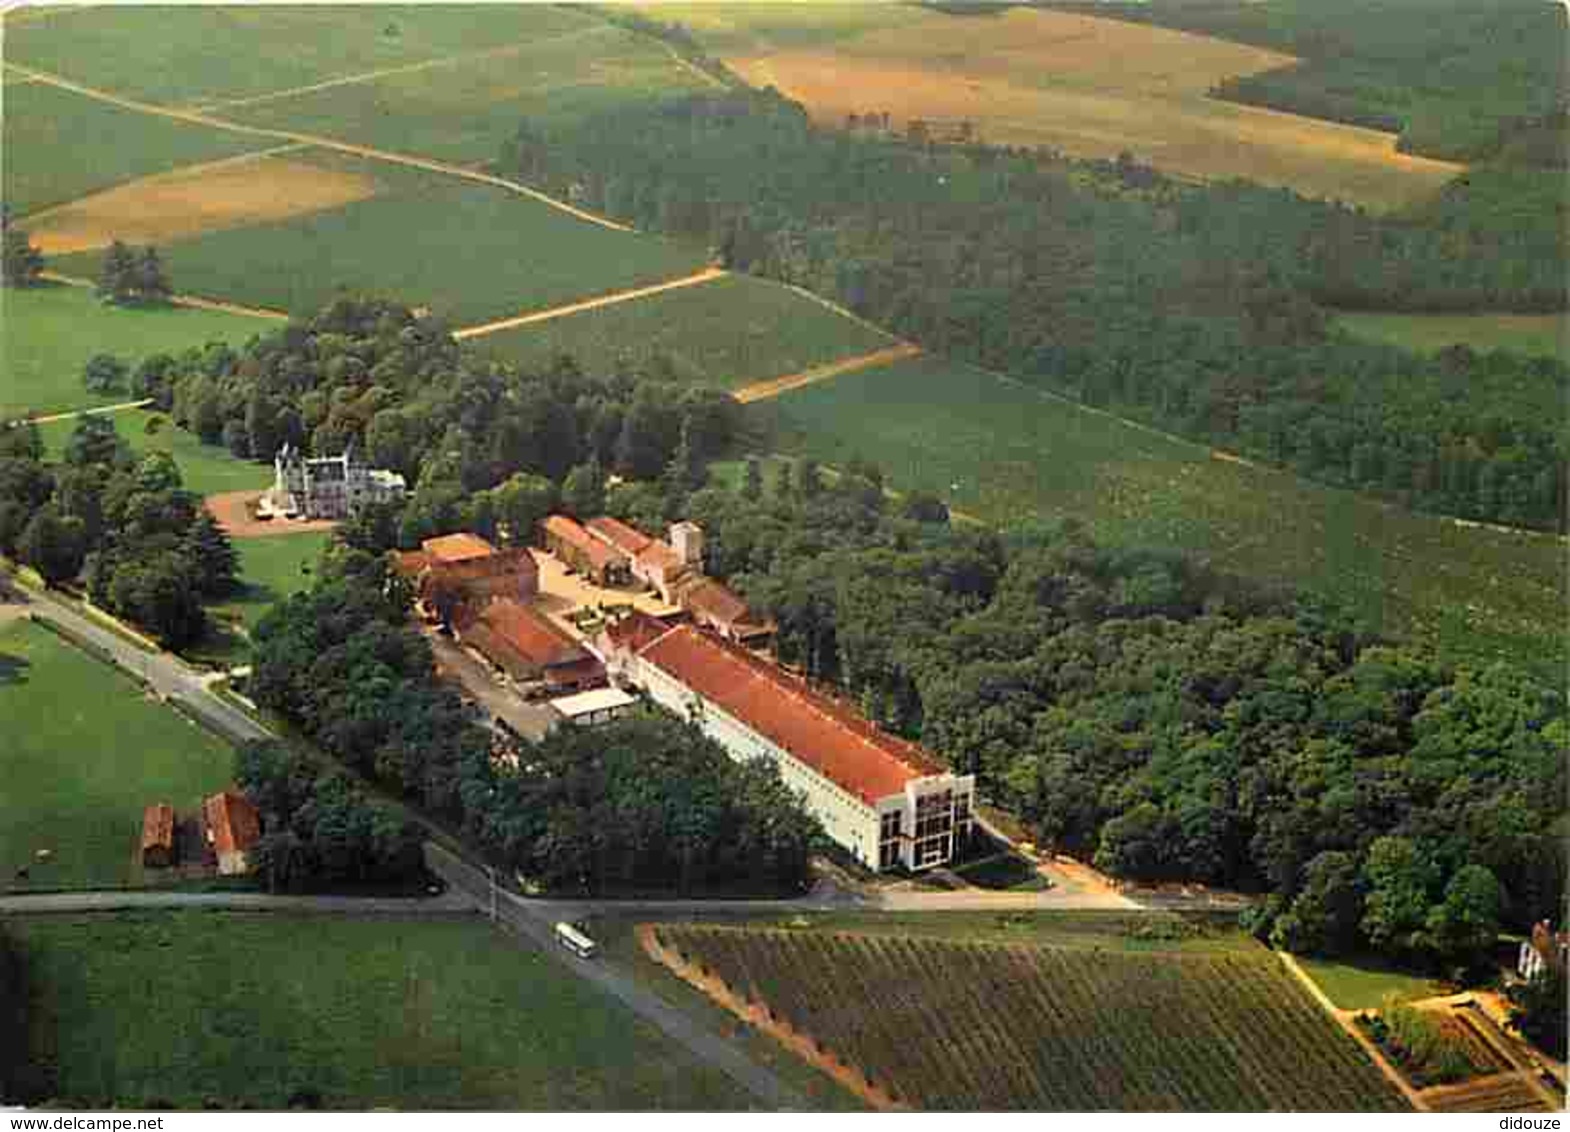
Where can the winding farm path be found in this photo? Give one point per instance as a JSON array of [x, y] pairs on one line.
[[774, 386], [195, 302], [198, 118], [707, 275]]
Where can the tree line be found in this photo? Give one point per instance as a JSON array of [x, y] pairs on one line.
[[1202, 308], [646, 803]]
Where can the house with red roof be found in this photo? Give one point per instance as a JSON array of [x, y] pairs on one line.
[[886, 801], [602, 562], [464, 568], [528, 647], [232, 827]]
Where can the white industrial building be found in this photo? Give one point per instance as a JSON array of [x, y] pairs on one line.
[[886, 801]]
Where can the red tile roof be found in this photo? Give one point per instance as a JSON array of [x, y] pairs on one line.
[[410, 563], [519, 638], [599, 553], [158, 826], [716, 602], [457, 548], [658, 555], [234, 822], [635, 630], [625, 538], [822, 733]]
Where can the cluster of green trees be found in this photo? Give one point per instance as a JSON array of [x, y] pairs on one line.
[[149, 550], [1201, 308], [1167, 723], [1454, 79], [320, 830], [130, 277], [648, 803], [20, 261], [486, 445]]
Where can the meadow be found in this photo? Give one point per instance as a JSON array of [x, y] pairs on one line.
[[51, 332], [47, 135], [1005, 453], [1368, 985], [205, 469], [85, 751], [976, 1026], [359, 1014], [1087, 86], [466, 114], [173, 61], [272, 568], [1540, 334], [470, 252], [729, 332]]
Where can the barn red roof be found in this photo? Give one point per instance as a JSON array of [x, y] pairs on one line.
[[410, 563], [234, 822], [625, 538], [822, 733], [659, 555], [635, 630], [457, 548], [599, 553], [714, 601], [519, 638], [158, 826]]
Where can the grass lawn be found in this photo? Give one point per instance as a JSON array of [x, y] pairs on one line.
[[1364, 985], [271, 569], [185, 56], [465, 114], [58, 145], [51, 331], [470, 252], [206, 469], [371, 1013], [1007, 454], [84, 752], [729, 332], [1541, 334]]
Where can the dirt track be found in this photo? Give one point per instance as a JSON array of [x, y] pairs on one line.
[[764, 390], [195, 301], [708, 274], [232, 509]]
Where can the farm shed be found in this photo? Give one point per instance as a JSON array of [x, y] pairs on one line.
[[158, 836], [233, 828]]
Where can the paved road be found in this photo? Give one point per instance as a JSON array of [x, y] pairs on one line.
[[167, 675], [531, 720], [534, 920], [46, 903]]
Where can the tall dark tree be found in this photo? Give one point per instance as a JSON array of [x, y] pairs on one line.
[[117, 276], [53, 544], [20, 261], [152, 280], [215, 565]]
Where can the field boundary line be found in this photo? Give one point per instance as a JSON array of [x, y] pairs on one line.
[[760, 1017], [169, 174], [774, 386], [707, 275], [843, 312], [196, 302], [93, 412], [501, 51], [193, 118], [1343, 1018]]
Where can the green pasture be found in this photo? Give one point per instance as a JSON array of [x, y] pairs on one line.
[[752, 29], [465, 114], [206, 469], [1538, 334], [728, 332], [190, 1009], [1366, 984], [1005, 453], [191, 56], [85, 750], [271, 569], [470, 252], [56, 146], [51, 331]]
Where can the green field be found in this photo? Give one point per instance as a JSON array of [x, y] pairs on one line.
[[728, 333], [468, 251], [1005, 453], [190, 1008], [51, 332], [206, 469], [1366, 986], [745, 29], [188, 55], [967, 1026], [84, 752], [271, 569], [465, 114], [58, 146], [1540, 334]]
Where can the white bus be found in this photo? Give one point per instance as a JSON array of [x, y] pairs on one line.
[[575, 941]]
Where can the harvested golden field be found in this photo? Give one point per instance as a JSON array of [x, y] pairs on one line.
[[234, 193], [1093, 88]]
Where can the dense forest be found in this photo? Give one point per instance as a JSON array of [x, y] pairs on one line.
[[1166, 723], [1200, 308], [1454, 79], [645, 804]]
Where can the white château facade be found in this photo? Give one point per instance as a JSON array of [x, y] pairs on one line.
[[328, 487], [886, 801]]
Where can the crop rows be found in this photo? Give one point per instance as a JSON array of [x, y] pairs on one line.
[[953, 1025]]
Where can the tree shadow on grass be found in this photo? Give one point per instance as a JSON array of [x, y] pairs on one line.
[[13, 669]]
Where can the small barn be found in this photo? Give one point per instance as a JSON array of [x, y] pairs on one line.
[[158, 836], [233, 827]]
